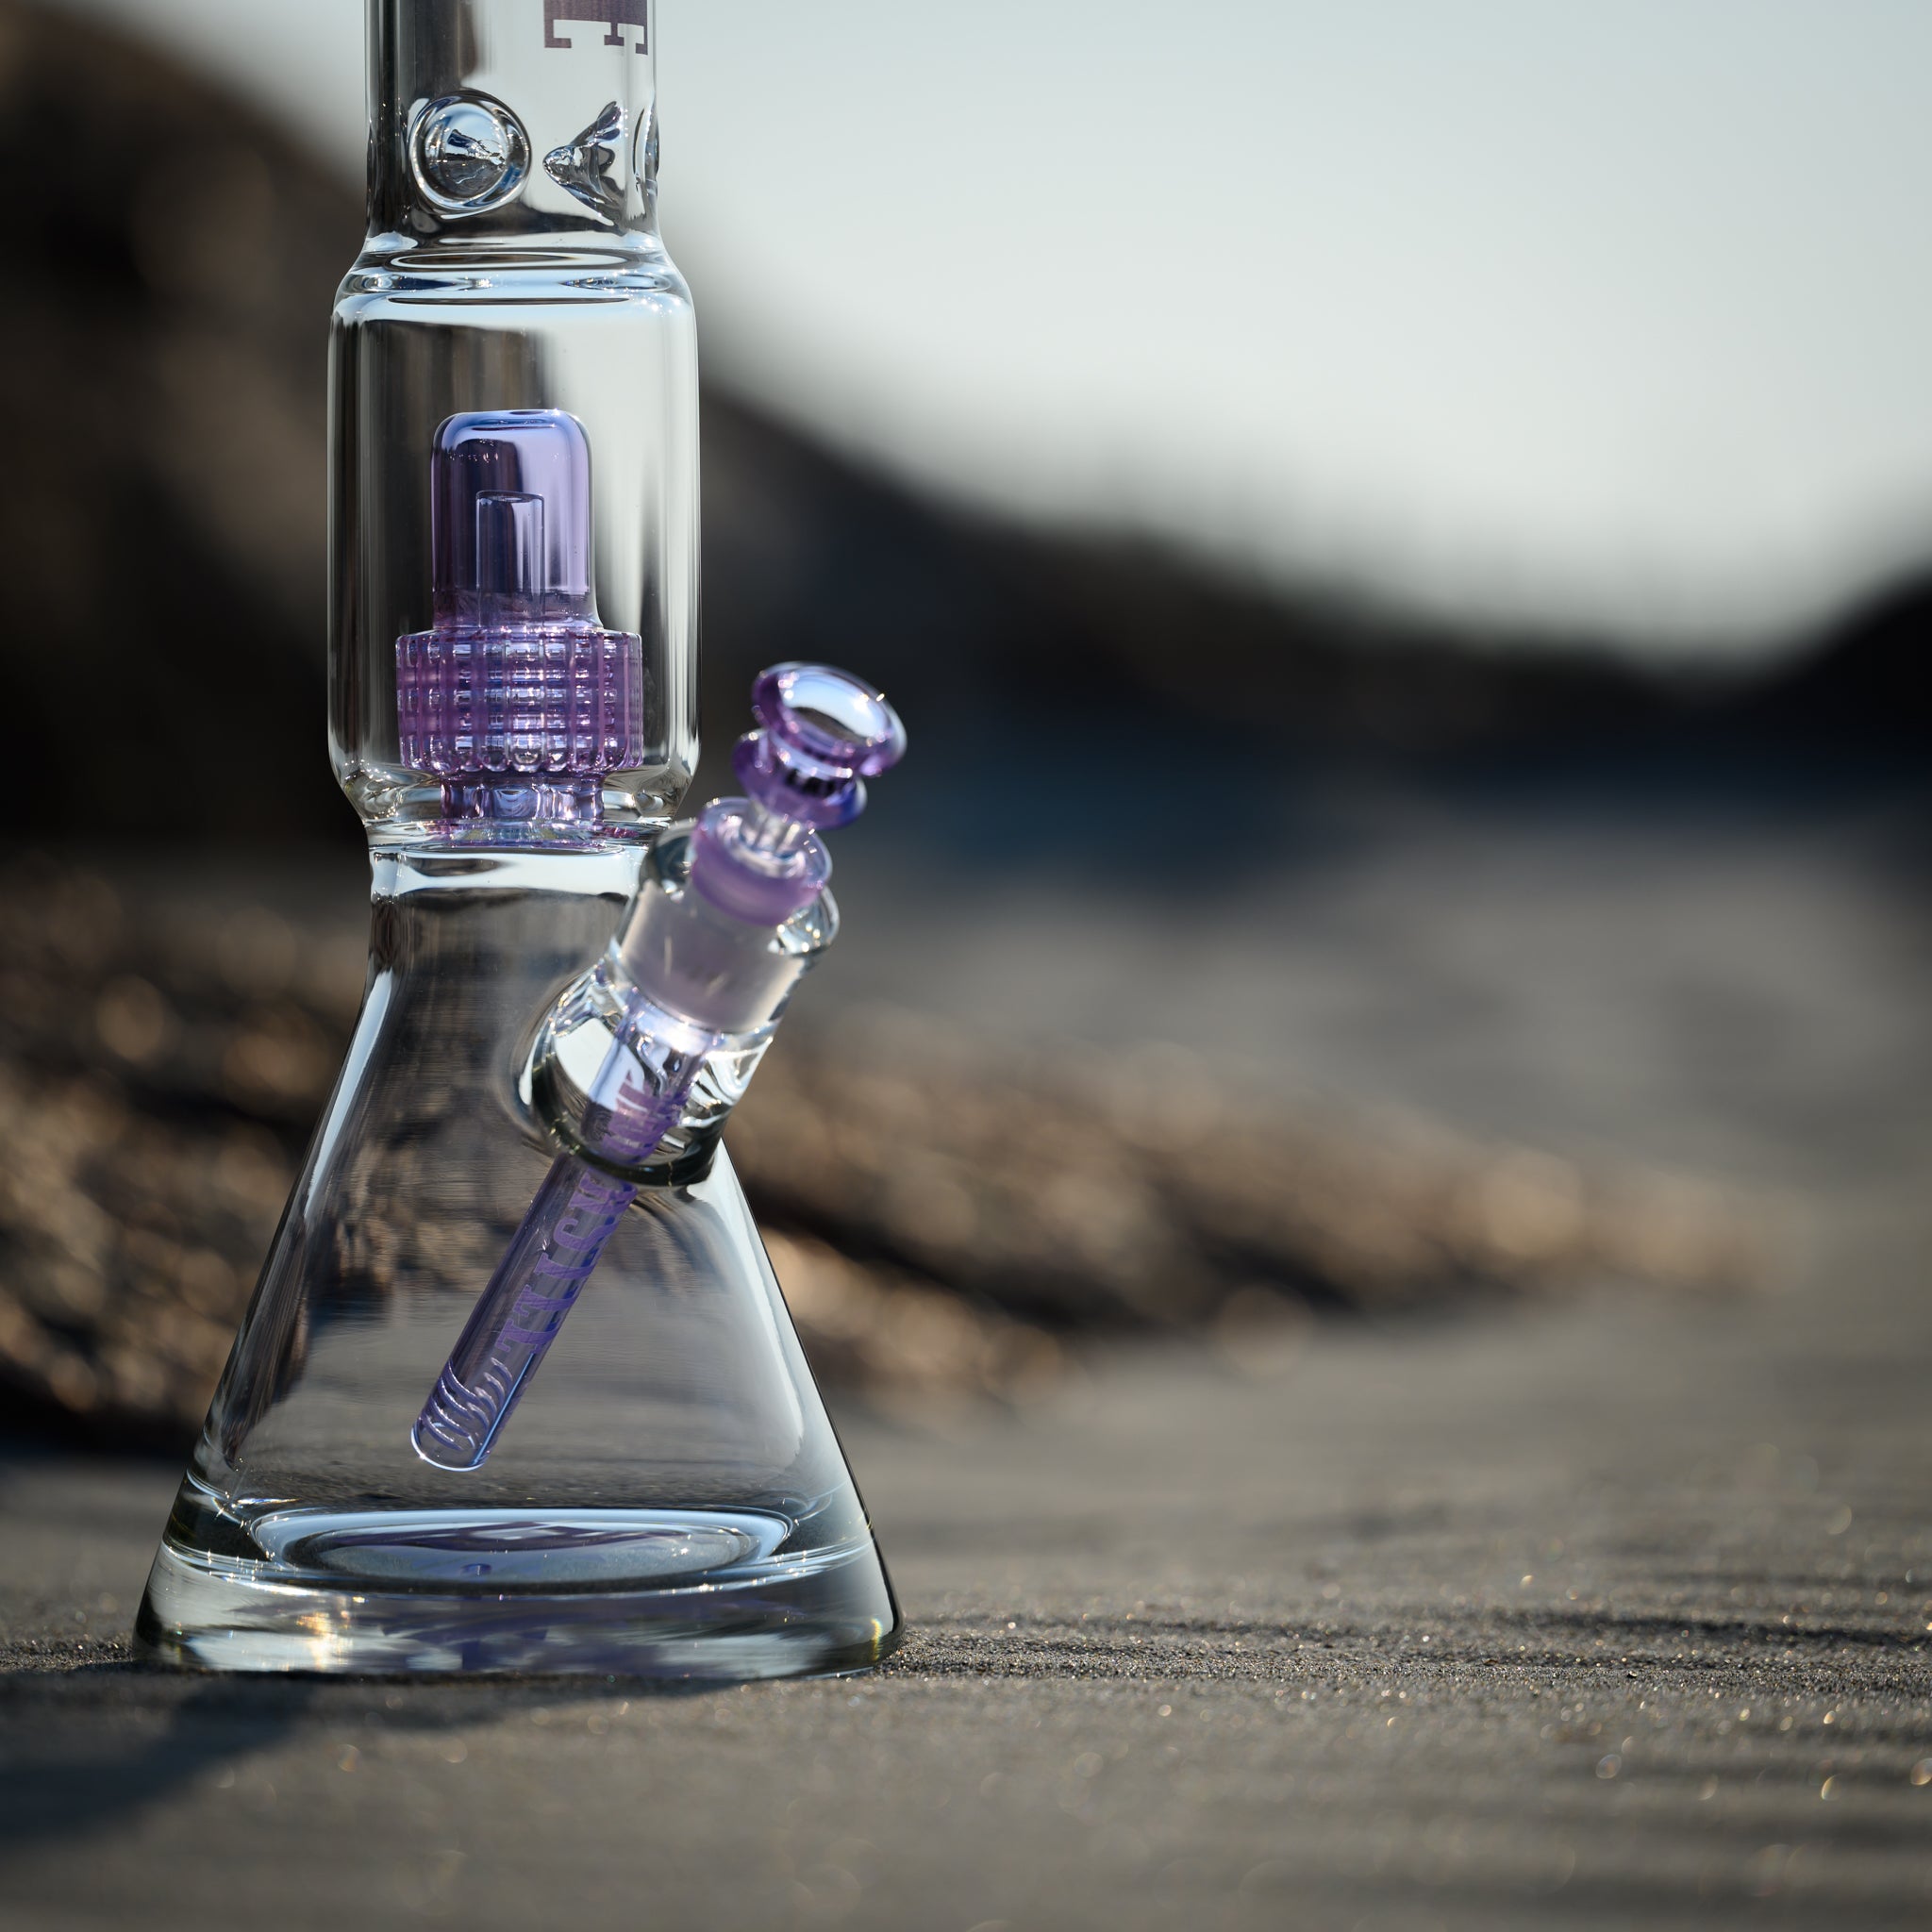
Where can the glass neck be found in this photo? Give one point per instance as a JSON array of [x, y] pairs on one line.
[[409, 873], [511, 125]]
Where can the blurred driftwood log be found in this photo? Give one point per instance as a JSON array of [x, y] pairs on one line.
[[949, 1216]]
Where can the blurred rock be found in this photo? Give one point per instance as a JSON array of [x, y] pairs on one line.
[[1086, 1191], [909, 1342], [949, 1218]]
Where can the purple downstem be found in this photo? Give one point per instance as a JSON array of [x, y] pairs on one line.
[[553, 1253]]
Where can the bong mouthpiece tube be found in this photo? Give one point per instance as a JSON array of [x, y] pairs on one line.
[[703, 973]]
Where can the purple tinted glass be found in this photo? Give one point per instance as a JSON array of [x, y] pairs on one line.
[[830, 716], [536, 1284], [516, 686], [523, 702], [825, 732], [767, 893], [550, 1258], [509, 453], [759, 858]]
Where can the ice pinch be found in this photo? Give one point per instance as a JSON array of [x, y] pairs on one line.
[[703, 975]]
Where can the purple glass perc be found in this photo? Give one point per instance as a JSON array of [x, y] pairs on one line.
[[516, 697]]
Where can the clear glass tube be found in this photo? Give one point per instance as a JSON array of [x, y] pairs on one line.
[[513, 264]]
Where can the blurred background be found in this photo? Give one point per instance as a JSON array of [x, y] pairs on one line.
[[1400, 531]]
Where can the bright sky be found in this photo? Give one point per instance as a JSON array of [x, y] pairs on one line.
[[1617, 313]]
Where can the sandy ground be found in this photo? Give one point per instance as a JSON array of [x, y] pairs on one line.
[[1612, 1613]]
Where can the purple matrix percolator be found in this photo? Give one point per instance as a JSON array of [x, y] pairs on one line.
[[516, 697]]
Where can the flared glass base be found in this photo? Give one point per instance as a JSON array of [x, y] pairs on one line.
[[667, 1499], [697, 1593]]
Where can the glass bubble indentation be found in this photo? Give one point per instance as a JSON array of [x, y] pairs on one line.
[[645, 156], [468, 154], [583, 165]]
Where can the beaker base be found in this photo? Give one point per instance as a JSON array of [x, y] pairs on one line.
[[694, 1594]]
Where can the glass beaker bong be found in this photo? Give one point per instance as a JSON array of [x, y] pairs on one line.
[[413, 1462]]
